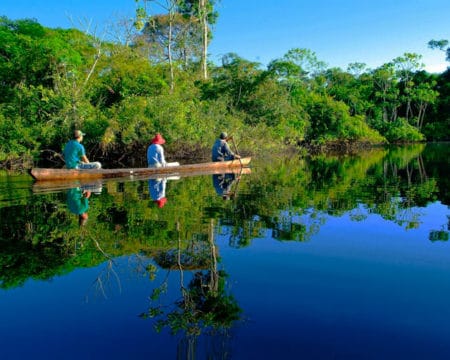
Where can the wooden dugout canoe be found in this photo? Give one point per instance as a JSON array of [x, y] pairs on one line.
[[41, 174], [50, 186]]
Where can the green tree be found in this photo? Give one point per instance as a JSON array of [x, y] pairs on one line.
[[423, 95], [201, 12], [330, 121], [298, 67], [386, 93], [352, 89], [406, 66], [441, 45], [160, 29]]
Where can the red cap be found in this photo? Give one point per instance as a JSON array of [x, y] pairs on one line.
[[158, 139], [161, 202]]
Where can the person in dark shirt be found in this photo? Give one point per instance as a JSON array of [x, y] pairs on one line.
[[221, 150]]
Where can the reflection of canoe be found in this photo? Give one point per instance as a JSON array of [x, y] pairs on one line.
[[61, 184], [73, 174]]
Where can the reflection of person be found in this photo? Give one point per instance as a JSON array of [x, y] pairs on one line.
[[75, 154], [78, 203], [223, 183], [221, 150], [155, 152], [157, 190], [94, 187]]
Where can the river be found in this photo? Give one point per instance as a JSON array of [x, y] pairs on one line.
[[305, 257]]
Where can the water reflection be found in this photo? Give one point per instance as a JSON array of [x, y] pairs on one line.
[[293, 199], [78, 200], [369, 201], [223, 185], [204, 306], [157, 190], [78, 203]]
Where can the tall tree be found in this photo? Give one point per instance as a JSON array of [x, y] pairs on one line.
[[154, 25], [406, 66], [298, 67], [386, 91], [423, 95], [201, 11]]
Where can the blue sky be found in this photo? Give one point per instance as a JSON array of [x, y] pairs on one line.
[[338, 31]]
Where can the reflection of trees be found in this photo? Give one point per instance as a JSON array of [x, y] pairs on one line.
[[104, 279], [33, 242], [442, 234], [292, 228], [433, 161], [401, 186], [205, 306], [438, 235], [389, 183], [291, 199]]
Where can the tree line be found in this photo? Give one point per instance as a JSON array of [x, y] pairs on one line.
[[153, 75]]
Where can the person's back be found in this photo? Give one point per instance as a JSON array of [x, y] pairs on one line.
[[155, 152], [75, 154], [221, 151], [217, 151], [73, 151]]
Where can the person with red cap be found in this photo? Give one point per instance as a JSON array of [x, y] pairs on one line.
[[155, 152]]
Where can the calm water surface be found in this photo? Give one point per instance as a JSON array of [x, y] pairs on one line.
[[321, 258]]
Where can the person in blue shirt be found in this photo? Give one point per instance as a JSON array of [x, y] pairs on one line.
[[221, 151], [155, 152], [75, 154]]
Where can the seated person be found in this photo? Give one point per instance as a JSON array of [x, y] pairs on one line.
[[155, 152], [221, 151], [75, 154]]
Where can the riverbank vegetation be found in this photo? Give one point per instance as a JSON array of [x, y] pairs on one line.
[[152, 75]]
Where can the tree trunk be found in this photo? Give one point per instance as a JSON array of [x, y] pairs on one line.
[[169, 53], [421, 116], [204, 24]]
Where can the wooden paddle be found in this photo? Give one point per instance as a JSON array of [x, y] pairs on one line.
[[237, 183], [236, 149]]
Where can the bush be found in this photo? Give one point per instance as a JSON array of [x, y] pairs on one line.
[[330, 120], [401, 131]]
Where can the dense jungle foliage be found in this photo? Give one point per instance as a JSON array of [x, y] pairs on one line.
[[152, 76]]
